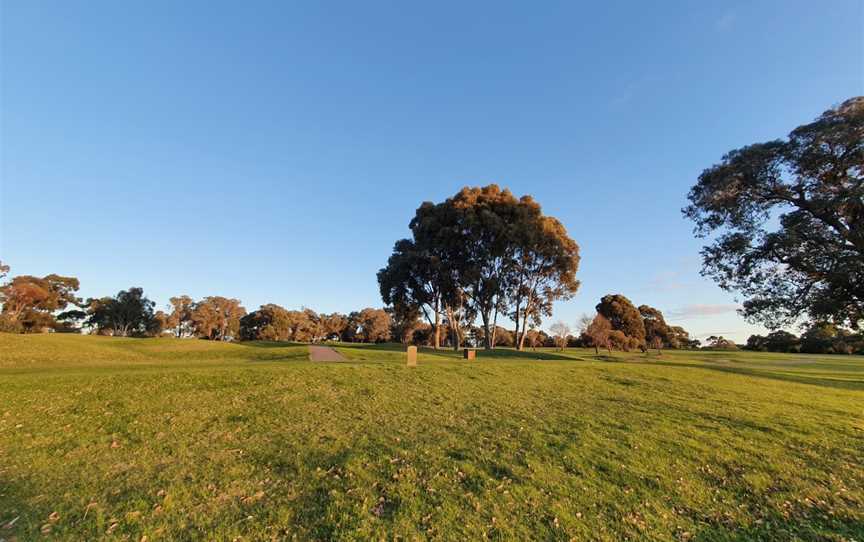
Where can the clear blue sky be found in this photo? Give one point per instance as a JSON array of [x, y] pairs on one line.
[[274, 151]]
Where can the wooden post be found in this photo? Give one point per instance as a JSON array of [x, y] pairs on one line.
[[469, 354], [411, 354]]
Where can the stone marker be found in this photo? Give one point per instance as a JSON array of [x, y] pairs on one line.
[[469, 354], [411, 353]]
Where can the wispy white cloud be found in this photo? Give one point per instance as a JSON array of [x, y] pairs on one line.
[[696, 311]]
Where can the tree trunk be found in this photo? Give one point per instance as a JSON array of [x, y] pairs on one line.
[[454, 327], [524, 329], [437, 327], [487, 333], [495, 324], [516, 335], [526, 312]]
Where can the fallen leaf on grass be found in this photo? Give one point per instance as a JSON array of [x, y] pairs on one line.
[[253, 498]]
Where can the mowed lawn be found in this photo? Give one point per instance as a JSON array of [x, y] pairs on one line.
[[159, 439]]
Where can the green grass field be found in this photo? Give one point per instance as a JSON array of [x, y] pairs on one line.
[[122, 439]]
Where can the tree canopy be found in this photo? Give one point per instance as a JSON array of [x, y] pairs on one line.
[[482, 253], [560, 330], [657, 332], [370, 325], [217, 317], [269, 323], [597, 332], [180, 319], [789, 222], [129, 313], [29, 303], [623, 316]]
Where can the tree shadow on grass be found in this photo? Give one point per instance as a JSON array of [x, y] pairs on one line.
[[387, 347], [26, 513], [275, 351], [449, 354], [278, 359], [772, 525], [506, 354], [762, 373], [16, 519], [608, 358], [315, 512], [270, 344]]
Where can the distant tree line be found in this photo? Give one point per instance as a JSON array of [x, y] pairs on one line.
[[274, 323], [817, 338], [39, 304]]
